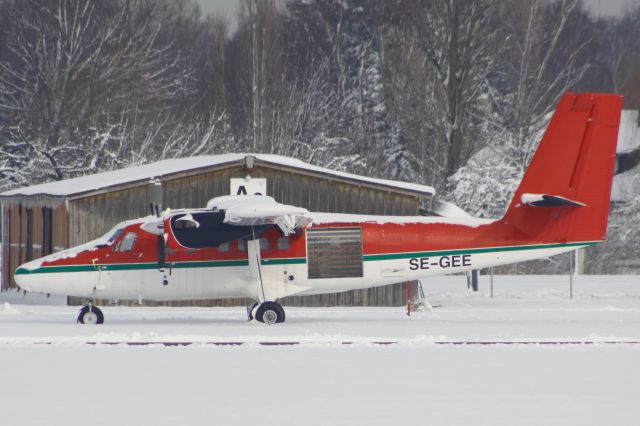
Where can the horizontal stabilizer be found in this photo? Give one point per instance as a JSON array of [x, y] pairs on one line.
[[546, 200]]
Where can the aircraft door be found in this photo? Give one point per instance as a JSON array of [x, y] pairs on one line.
[[291, 271], [119, 274]]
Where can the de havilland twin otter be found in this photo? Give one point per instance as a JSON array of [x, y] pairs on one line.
[[254, 247]]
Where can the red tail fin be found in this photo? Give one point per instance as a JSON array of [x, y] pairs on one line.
[[564, 195]]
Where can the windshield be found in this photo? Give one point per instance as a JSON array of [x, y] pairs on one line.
[[113, 233]]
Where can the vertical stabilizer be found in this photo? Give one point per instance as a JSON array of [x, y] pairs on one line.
[[564, 194]]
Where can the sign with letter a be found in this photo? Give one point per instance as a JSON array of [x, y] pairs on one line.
[[248, 186]]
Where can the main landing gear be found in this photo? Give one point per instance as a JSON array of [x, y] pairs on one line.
[[267, 312], [90, 314]]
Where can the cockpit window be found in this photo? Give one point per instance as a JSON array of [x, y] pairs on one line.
[[127, 242], [115, 235]]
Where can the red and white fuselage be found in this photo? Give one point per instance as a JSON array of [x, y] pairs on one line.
[[265, 251]]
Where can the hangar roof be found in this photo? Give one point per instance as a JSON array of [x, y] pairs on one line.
[[192, 165]]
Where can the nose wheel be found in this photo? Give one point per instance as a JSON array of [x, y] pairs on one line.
[[269, 313], [90, 314]]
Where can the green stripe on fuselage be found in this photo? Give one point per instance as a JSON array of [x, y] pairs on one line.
[[408, 255], [288, 261], [137, 266]]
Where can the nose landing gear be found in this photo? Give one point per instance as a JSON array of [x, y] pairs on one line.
[[90, 314]]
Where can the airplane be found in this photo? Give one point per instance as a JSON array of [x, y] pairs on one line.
[[255, 247]]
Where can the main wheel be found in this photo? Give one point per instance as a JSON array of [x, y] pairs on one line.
[[90, 315], [270, 313]]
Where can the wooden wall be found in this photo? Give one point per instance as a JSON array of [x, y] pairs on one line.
[[90, 217], [14, 232]]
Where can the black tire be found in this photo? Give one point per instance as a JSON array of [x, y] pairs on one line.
[[250, 309], [91, 315], [270, 313]]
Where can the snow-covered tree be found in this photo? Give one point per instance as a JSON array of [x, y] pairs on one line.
[[399, 162], [458, 39], [84, 85], [485, 185], [523, 94]]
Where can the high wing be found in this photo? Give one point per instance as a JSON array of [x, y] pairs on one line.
[[255, 210]]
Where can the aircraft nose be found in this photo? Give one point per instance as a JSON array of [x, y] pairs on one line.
[[24, 276], [21, 280]]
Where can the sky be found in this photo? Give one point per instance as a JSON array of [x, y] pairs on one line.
[[223, 7], [606, 7]]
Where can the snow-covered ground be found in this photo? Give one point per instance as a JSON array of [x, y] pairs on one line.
[[422, 377]]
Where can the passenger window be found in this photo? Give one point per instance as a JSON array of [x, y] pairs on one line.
[[224, 247], [284, 243], [127, 242], [264, 244]]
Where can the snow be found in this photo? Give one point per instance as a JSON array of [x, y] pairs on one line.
[[629, 132], [167, 167], [447, 209], [323, 218], [626, 185], [324, 382], [8, 309]]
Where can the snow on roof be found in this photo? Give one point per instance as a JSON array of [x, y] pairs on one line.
[[326, 218], [162, 168]]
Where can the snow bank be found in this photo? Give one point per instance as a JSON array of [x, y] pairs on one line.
[[447, 209], [326, 383], [8, 309]]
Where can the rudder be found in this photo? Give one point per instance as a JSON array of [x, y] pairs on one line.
[[564, 194]]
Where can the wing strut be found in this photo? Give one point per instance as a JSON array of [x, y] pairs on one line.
[[255, 245]]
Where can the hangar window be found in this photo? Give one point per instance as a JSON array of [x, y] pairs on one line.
[[127, 242], [264, 244], [242, 245], [224, 247]]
